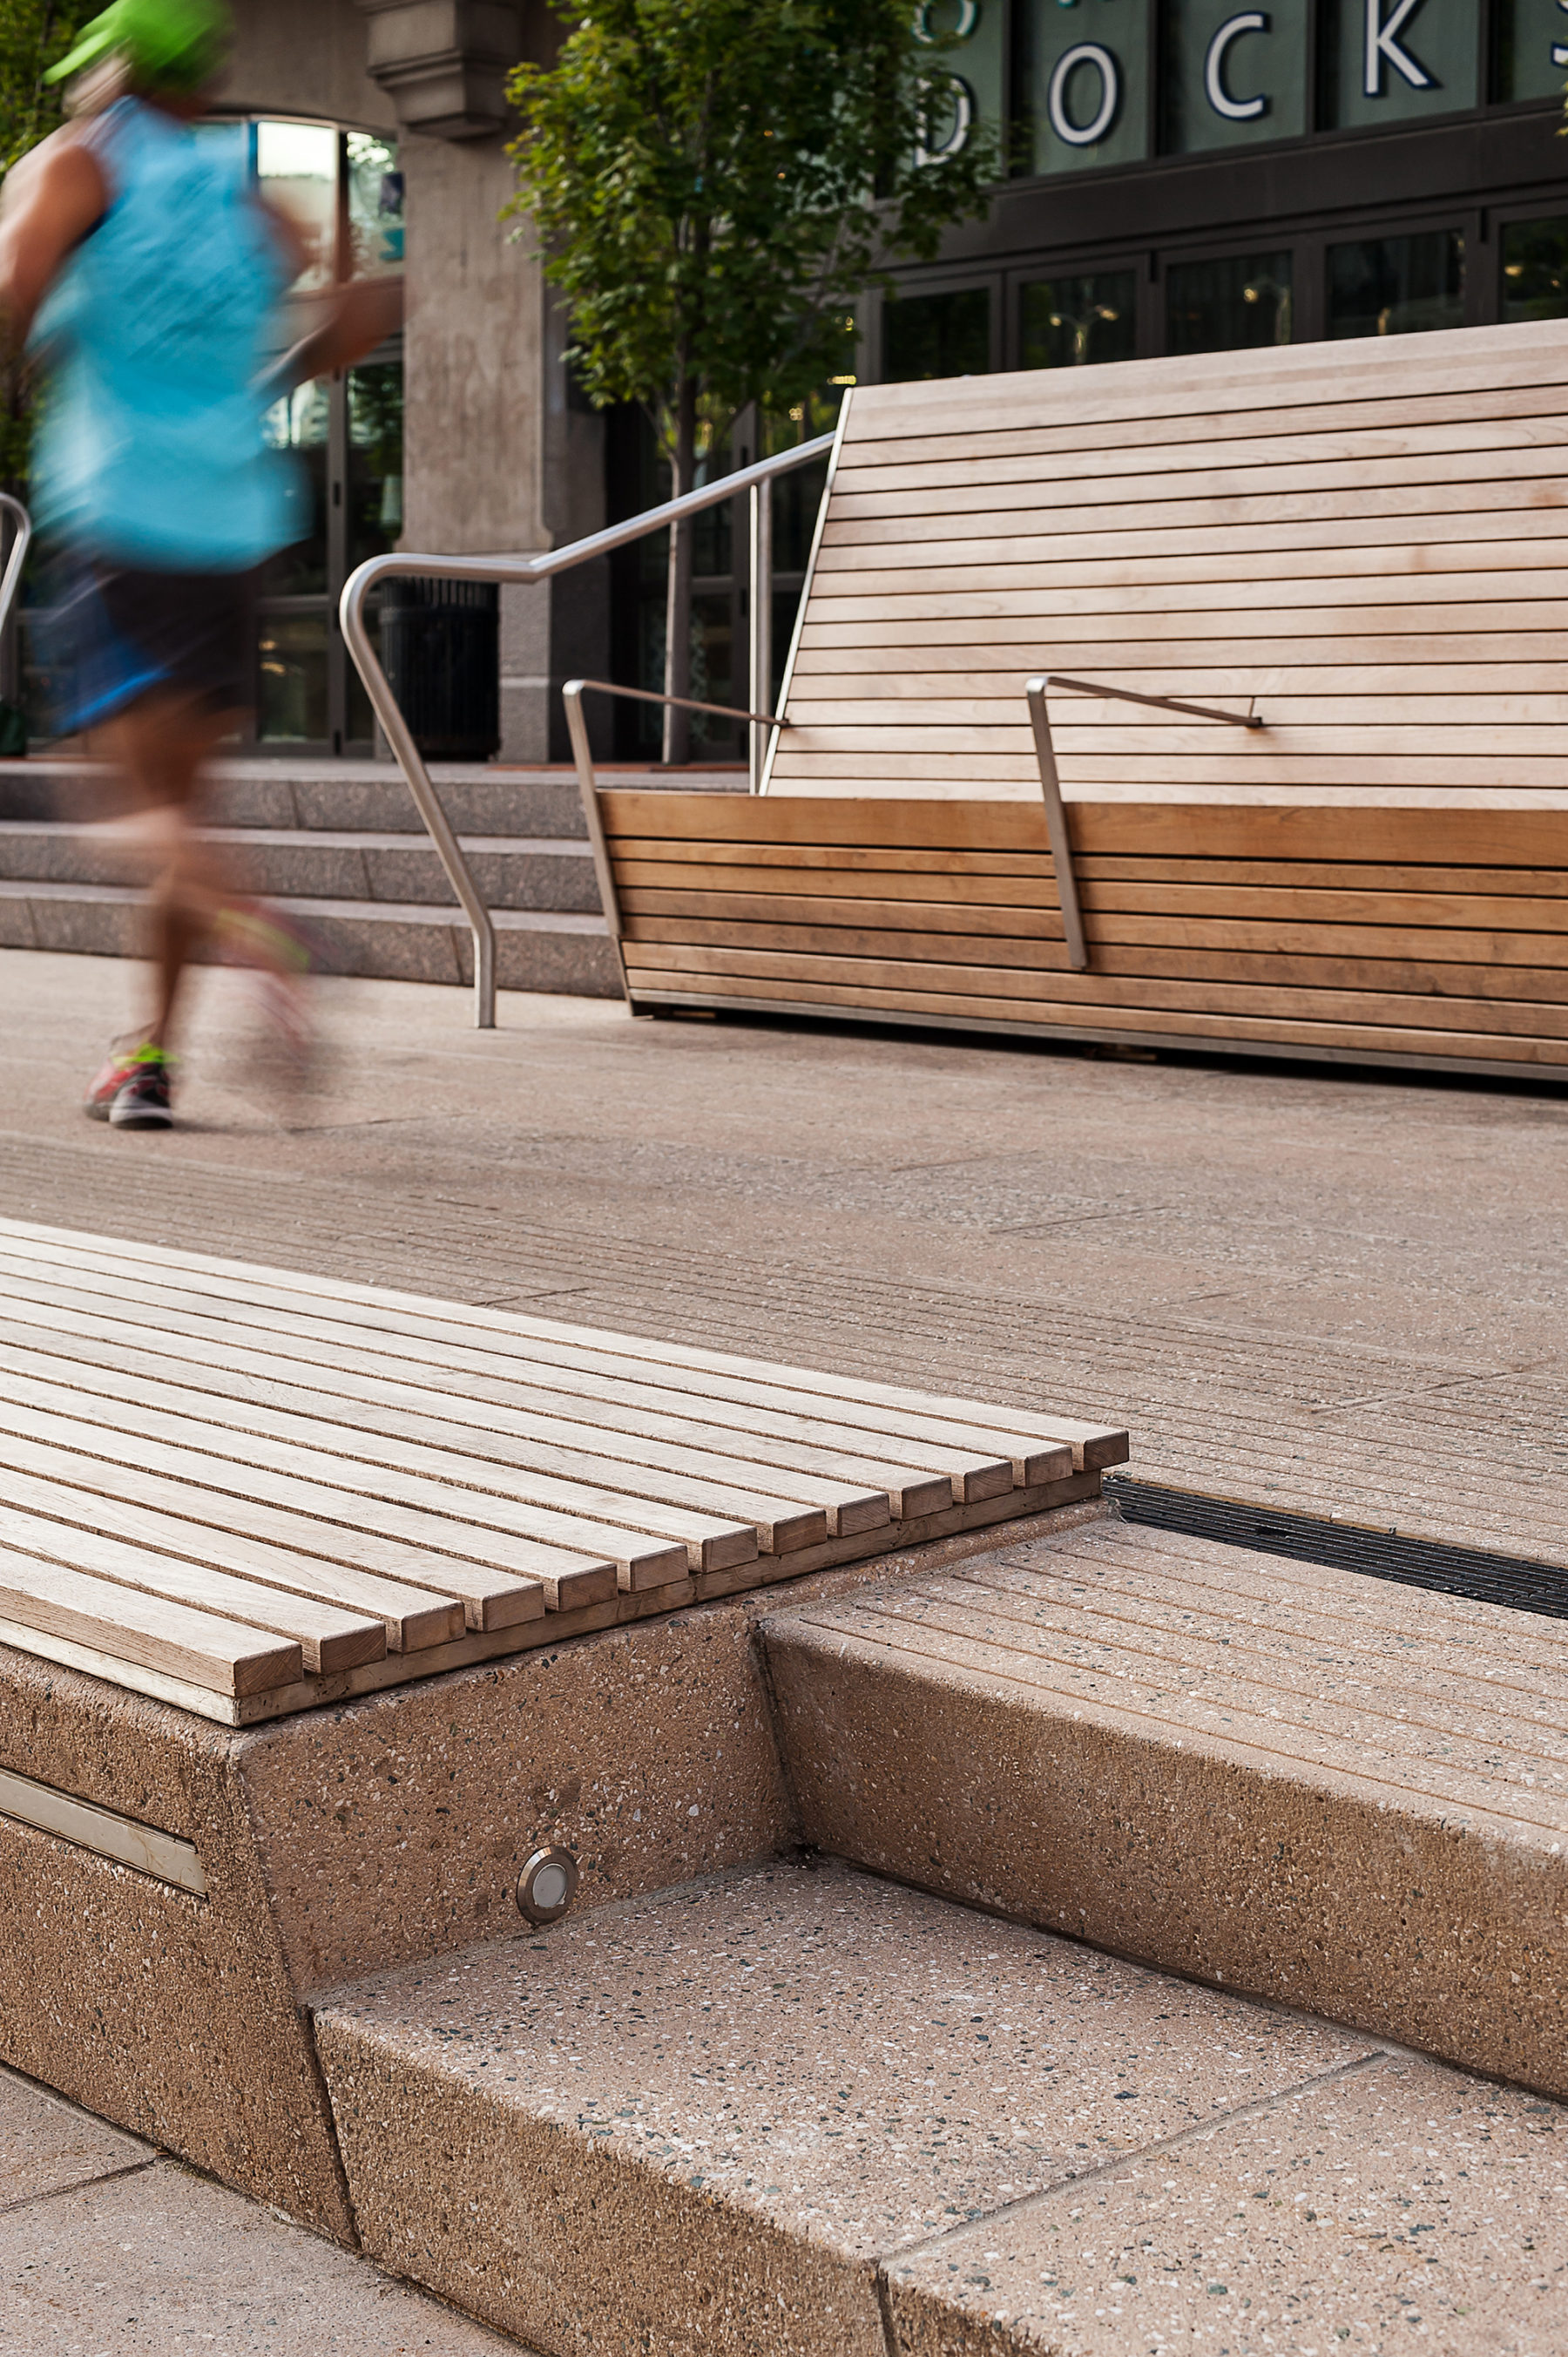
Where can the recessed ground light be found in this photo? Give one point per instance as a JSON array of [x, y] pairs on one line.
[[547, 1886]]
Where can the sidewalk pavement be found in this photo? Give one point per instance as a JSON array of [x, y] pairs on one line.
[[109, 2248], [1338, 1292], [1334, 1291]]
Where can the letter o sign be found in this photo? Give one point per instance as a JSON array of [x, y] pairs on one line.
[[1084, 134]]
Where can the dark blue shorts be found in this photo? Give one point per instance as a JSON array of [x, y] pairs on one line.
[[116, 634]]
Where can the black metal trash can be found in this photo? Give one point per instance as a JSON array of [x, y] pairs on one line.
[[441, 653]]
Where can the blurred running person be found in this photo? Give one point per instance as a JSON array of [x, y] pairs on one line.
[[148, 276]]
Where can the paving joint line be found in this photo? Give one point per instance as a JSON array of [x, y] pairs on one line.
[[1234, 2118], [81, 2185]]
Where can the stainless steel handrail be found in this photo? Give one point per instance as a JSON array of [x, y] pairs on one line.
[[572, 697], [1035, 693], [11, 580], [402, 567]]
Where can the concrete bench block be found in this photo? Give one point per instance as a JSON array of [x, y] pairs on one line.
[[1333, 1791]]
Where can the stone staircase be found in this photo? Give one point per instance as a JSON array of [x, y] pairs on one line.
[[340, 845], [867, 2100]]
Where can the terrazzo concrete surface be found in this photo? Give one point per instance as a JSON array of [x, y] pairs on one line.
[[1334, 1291], [1334, 1790], [110, 2249], [1400, 2207], [700, 2120]]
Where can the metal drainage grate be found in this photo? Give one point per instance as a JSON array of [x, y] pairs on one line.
[[1511, 1579]]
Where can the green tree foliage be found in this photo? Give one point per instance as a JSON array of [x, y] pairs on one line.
[[713, 184], [34, 33]]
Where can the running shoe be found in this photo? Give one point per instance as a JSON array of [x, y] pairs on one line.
[[125, 1056], [143, 1099]]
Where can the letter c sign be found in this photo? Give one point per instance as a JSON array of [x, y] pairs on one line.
[[1234, 110], [1084, 134]]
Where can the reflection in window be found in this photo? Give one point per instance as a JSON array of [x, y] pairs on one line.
[[1535, 270], [373, 187], [296, 164], [1066, 321], [291, 701], [936, 335], [1227, 307], [301, 424], [1397, 285]]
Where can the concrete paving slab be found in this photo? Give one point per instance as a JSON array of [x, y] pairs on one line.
[[701, 2120], [1318, 1290], [1395, 2207], [48, 2146], [1334, 1791], [165, 2261]]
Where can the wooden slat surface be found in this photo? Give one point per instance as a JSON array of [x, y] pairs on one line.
[[247, 1492], [1289, 520]]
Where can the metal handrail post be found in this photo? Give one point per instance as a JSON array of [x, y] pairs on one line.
[[363, 579], [761, 621], [11, 580], [459, 874], [1055, 825]]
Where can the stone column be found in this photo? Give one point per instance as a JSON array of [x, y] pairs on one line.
[[496, 458]]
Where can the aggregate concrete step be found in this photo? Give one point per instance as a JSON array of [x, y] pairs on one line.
[[794, 2111], [294, 863], [1324, 1788], [479, 797], [536, 949]]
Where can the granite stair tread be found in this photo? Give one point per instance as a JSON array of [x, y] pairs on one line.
[[794, 2108], [1333, 1790]]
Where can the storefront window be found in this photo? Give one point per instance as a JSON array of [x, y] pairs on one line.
[[1535, 270], [296, 165], [1230, 306], [1388, 62], [1065, 322], [292, 702], [1083, 83], [1532, 49], [373, 187], [936, 335], [972, 70], [1234, 75], [1397, 285], [301, 424]]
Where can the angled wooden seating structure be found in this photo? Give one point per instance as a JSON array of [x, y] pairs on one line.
[[1363, 546]]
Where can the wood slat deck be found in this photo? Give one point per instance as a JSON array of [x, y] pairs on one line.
[[247, 1492]]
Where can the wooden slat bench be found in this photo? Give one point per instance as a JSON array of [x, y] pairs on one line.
[[1366, 546], [248, 1492]]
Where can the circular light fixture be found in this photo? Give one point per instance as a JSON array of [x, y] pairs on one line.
[[547, 1886]]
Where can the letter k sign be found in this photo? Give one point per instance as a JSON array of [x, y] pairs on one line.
[[1382, 41]]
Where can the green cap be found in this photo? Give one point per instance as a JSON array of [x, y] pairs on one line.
[[170, 43]]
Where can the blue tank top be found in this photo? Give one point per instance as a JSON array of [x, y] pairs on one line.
[[150, 450]]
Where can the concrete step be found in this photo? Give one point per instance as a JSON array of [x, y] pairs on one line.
[[1328, 1789], [299, 862], [536, 949], [337, 796], [794, 2111]]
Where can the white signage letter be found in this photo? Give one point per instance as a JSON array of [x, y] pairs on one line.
[[1382, 41], [1087, 135], [960, 96], [1558, 54], [1234, 110], [968, 18]]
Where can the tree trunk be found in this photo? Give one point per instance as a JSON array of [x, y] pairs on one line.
[[678, 594]]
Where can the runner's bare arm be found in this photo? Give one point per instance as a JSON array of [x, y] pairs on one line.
[[52, 199]]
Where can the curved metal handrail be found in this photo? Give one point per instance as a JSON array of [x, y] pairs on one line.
[[402, 567], [11, 579]]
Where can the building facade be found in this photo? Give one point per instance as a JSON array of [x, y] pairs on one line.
[[1184, 176]]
